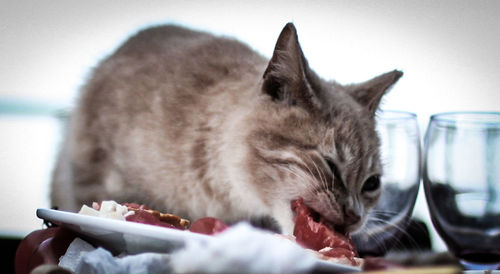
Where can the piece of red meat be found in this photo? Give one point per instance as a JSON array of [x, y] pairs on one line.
[[144, 217], [318, 235], [208, 226]]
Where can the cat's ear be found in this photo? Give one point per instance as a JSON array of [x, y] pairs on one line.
[[369, 93], [285, 78]]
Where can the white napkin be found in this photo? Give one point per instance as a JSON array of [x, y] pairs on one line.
[[76, 250], [240, 249], [243, 249]]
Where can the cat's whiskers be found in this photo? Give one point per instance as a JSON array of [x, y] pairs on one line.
[[328, 199], [290, 189], [320, 174], [309, 171], [303, 179], [302, 176], [375, 210], [322, 177], [379, 239], [297, 175], [381, 216], [388, 223]]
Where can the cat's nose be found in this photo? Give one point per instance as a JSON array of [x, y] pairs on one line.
[[350, 217]]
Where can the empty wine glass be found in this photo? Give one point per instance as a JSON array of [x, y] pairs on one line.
[[462, 185], [400, 155]]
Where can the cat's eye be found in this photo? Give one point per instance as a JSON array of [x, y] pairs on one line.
[[371, 184]]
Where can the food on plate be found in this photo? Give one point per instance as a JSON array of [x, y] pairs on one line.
[[208, 226], [316, 235], [106, 209], [320, 236], [145, 215], [133, 212]]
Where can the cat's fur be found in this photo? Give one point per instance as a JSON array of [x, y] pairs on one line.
[[199, 125]]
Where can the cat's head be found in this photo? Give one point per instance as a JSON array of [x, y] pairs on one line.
[[316, 139]]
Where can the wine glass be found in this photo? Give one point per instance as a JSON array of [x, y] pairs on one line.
[[462, 185], [400, 156]]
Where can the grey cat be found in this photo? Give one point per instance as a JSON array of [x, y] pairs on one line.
[[199, 125]]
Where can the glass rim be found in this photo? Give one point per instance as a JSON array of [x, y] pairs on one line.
[[396, 115], [467, 117]]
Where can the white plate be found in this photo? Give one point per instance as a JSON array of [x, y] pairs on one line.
[[120, 236], [132, 238]]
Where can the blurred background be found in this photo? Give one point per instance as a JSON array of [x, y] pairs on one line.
[[448, 50]]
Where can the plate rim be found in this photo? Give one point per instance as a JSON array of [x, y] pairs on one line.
[[73, 218]]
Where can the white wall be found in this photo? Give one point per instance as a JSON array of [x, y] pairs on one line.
[[449, 51]]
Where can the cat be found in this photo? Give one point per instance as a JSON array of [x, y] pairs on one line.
[[198, 125]]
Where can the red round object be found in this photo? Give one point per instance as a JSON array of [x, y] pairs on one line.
[[43, 246], [208, 226]]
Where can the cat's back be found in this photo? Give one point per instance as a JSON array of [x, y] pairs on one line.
[[165, 79], [153, 94], [169, 40], [175, 49], [172, 63]]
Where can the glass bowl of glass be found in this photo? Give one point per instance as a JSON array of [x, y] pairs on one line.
[[461, 177], [401, 158]]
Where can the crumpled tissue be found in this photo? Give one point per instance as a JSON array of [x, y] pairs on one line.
[[76, 250], [101, 261], [81, 257], [243, 249], [239, 249]]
